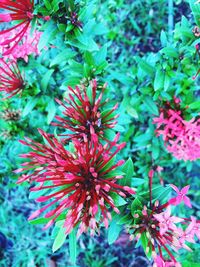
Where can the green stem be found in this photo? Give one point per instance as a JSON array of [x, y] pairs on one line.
[[170, 19]]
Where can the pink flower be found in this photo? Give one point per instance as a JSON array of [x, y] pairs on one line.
[[194, 227], [181, 196], [183, 236], [159, 169], [182, 138], [159, 262], [166, 222], [27, 46]]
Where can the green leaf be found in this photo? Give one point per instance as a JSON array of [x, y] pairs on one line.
[[113, 232], [167, 80], [45, 79], [71, 4], [137, 181], [128, 169], [159, 80], [100, 56], [158, 192], [55, 4], [125, 219], [195, 105], [48, 34], [151, 106], [132, 112], [36, 194], [122, 78], [118, 200], [29, 106], [51, 109], [145, 245], [47, 4], [195, 10], [136, 205], [89, 58], [106, 114], [119, 128], [163, 38], [190, 264], [62, 57], [40, 221], [60, 239], [170, 52], [146, 67], [72, 247]]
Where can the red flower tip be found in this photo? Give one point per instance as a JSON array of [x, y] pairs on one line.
[[34, 215], [47, 18], [129, 190]]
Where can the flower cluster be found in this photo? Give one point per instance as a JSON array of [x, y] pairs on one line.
[[82, 182], [182, 138], [164, 234], [27, 46]]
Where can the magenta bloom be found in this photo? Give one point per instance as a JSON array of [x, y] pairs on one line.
[[181, 137], [83, 114], [181, 196], [21, 11], [160, 262], [193, 228], [27, 46], [81, 183], [11, 81], [166, 221]]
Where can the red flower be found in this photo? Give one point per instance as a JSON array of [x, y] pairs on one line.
[[82, 183], [83, 114], [11, 81], [22, 11]]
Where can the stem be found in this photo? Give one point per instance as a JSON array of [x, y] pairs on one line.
[[151, 173], [170, 19]]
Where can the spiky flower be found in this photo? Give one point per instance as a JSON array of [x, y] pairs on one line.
[[83, 113], [11, 81], [20, 11], [82, 183]]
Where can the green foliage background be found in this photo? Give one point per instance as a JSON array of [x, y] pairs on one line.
[[131, 46]]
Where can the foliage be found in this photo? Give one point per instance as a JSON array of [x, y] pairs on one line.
[[128, 45]]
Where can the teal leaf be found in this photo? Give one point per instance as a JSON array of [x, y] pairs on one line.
[[29, 106], [60, 239], [72, 247], [113, 232]]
